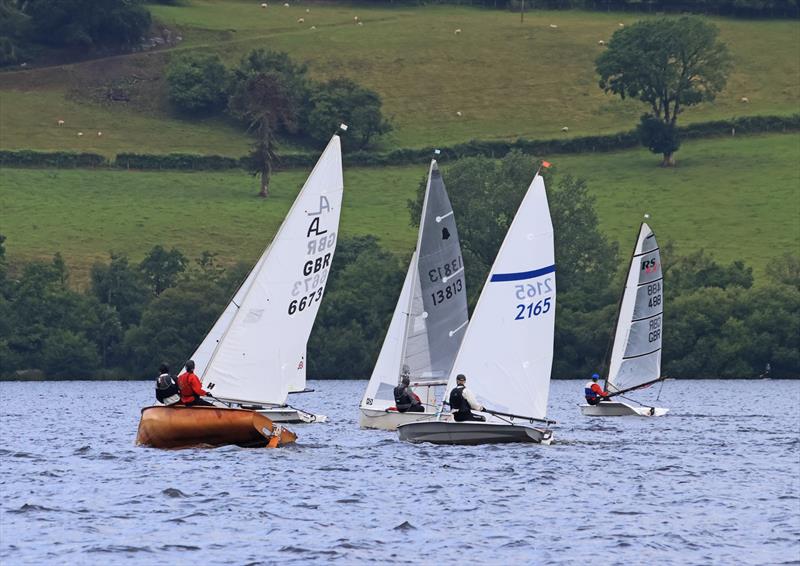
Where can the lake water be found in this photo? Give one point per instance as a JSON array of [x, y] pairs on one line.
[[715, 481]]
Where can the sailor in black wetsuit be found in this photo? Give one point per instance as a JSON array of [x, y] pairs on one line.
[[405, 399], [167, 391], [463, 402]]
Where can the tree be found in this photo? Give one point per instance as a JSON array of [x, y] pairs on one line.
[[198, 83], [14, 32], [344, 100], [87, 23], [669, 64], [161, 268], [265, 102], [122, 287]]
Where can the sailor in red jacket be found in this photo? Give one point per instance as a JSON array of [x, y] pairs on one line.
[[593, 392], [191, 388]]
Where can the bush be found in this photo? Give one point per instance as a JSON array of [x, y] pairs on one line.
[[343, 100], [59, 159], [198, 84]]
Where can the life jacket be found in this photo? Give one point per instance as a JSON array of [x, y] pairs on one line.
[[167, 391], [186, 383], [458, 403], [402, 399], [588, 392]]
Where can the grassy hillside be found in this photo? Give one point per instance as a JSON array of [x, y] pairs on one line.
[[739, 198], [507, 79]]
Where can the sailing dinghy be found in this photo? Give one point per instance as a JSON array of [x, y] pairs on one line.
[[254, 355], [429, 319], [507, 351], [636, 354]]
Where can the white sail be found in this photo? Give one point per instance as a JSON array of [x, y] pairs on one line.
[[259, 341], [636, 356], [507, 353], [380, 389]]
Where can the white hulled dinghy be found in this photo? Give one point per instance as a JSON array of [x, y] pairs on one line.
[[636, 353], [254, 355], [507, 352], [429, 319]]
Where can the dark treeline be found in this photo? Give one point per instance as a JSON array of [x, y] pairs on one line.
[[737, 8], [718, 322]]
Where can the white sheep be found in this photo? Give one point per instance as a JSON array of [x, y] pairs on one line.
[[745, 99], [355, 18], [361, 23], [301, 20], [80, 134], [621, 25], [60, 122], [286, 5], [565, 129], [308, 11], [458, 113], [458, 30], [313, 27], [99, 134], [553, 26], [264, 5], [601, 42]]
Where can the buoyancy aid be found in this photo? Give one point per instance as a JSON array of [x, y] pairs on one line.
[[404, 399], [190, 387], [593, 390], [458, 403], [167, 391]]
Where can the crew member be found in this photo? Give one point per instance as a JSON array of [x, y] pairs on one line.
[[167, 391], [463, 402], [405, 399], [191, 389], [593, 392]]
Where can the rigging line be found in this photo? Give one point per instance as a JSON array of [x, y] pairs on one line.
[[649, 282], [641, 355], [460, 326], [659, 390], [447, 278], [440, 218]]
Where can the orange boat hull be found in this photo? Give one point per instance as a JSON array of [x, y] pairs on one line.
[[185, 427]]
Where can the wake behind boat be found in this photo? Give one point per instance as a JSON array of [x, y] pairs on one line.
[[507, 352], [254, 355], [428, 321], [636, 353]]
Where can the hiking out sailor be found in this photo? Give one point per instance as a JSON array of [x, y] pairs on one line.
[[593, 392], [167, 391], [191, 389], [405, 399], [463, 402]]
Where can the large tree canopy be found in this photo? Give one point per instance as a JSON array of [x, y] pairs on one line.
[[669, 64]]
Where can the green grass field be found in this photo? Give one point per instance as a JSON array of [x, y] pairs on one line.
[[506, 78], [738, 198]]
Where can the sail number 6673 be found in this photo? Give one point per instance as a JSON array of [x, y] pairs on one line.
[[533, 309]]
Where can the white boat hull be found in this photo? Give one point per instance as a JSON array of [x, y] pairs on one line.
[[442, 432], [289, 415], [619, 409], [389, 420]]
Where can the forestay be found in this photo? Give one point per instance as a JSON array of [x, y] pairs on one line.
[[258, 344], [636, 356], [507, 353], [438, 310]]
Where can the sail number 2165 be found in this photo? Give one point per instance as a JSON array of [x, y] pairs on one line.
[[532, 309]]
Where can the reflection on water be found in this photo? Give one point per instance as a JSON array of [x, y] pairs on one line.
[[717, 480]]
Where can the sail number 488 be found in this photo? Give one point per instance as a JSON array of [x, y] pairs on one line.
[[532, 309]]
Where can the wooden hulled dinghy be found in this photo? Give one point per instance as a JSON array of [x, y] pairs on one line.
[[185, 427]]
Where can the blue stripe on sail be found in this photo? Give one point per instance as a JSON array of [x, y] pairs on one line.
[[523, 274]]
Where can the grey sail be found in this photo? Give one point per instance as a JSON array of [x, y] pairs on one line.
[[438, 307]]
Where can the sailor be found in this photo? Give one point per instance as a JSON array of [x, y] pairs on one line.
[[191, 389], [405, 399], [463, 402], [593, 392], [167, 391]]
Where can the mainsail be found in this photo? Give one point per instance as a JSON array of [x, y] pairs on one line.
[[431, 314], [507, 353], [636, 356], [255, 352]]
